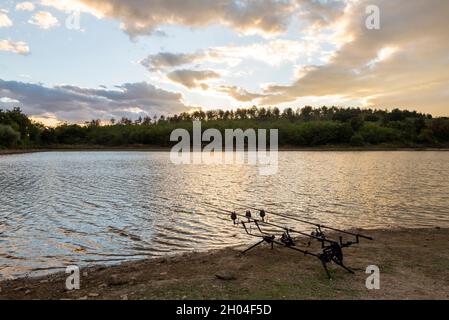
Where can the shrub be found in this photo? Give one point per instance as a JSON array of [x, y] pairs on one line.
[[440, 128], [357, 140], [8, 136], [426, 136], [322, 133], [375, 134]]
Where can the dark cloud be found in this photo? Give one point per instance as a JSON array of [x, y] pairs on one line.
[[239, 94], [71, 103], [318, 14], [168, 60], [193, 78]]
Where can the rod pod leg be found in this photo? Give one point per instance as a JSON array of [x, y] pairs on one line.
[[343, 266], [253, 246], [326, 269]]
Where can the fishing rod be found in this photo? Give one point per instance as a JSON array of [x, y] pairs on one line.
[[318, 234], [258, 221], [319, 226], [264, 235]]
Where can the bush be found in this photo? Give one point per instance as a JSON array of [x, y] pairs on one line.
[[71, 134], [357, 140], [440, 129], [375, 134], [426, 136], [8, 136], [322, 132]]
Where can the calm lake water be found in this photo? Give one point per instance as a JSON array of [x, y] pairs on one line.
[[63, 208]]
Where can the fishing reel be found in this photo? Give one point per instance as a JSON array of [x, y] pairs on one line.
[[287, 240], [234, 217], [332, 253], [262, 214], [319, 234], [248, 215]]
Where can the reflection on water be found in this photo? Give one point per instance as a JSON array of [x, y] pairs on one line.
[[81, 208]]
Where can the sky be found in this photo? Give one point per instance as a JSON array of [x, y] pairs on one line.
[[76, 60]]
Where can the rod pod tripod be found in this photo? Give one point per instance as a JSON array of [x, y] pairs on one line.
[[332, 252]]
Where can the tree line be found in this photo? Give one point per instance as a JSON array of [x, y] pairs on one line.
[[305, 127]]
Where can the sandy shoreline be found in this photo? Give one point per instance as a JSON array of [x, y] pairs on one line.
[[414, 264]]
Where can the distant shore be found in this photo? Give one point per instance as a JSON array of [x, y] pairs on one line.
[[82, 149], [414, 264], [165, 149]]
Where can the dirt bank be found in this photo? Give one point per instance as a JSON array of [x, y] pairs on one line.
[[414, 264], [4, 152]]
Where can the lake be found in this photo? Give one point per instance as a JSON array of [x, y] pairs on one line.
[[62, 208]]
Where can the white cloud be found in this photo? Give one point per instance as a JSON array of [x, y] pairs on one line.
[[5, 21], [25, 6], [19, 47], [7, 100], [143, 17], [274, 52], [70, 6], [44, 20]]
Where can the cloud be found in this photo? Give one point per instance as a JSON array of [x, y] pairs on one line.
[[167, 59], [44, 20], [193, 78], [5, 22], [266, 17], [239, 94], [71, 6], [404, 64], [25, 6], [273, 53], [318, 14], [76, 104], [16, 47], [143, 17]]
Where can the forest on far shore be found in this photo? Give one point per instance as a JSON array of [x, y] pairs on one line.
[[305, 127]]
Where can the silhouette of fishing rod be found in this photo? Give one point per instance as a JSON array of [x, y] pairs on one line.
[[268, 238], [319, 226], [263, 222]]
